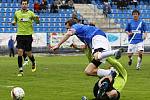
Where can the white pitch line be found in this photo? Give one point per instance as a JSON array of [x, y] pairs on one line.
[[7, 86]]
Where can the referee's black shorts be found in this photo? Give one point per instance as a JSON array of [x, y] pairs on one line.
[[24, 42]]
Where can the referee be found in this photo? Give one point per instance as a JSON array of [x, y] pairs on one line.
[[24, 19]]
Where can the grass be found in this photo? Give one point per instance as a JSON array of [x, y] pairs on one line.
[[62, 78]]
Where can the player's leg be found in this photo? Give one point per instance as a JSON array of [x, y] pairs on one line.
[[140, 47], [98, 54], [93, 70], [100, 43], [25, 57], [121, 79], [20, 45], [130, 52], [28, 50], [117, 65], [20, 53]]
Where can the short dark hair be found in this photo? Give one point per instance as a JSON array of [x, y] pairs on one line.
[[135, 11], [70, 22], [24, 1]]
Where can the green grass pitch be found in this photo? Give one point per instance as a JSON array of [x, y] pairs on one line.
[[63, 78]]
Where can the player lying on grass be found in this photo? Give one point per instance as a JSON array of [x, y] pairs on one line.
[[110, 86]]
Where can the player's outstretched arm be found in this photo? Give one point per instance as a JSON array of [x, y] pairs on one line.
[[65, 38]]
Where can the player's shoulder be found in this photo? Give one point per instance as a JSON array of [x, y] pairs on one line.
[[18, 11], [30, 11], [77, 25]]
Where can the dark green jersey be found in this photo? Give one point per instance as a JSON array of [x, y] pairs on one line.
[[24, 20]]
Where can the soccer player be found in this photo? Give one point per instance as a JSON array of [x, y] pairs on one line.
[[96, 40], [136, 30], [24, 18], [110, 86]]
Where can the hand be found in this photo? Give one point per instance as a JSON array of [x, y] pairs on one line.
[[54, 48], [36, 19], [144, 37], [13, 23]]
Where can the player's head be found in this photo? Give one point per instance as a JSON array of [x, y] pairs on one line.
[[69, 23], [135, 14], [24, 4]]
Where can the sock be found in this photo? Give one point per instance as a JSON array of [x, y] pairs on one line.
[[139, 62], [106, 54], [20, 62], [24, 56], [130, 58], [32, 60], [103, 72]]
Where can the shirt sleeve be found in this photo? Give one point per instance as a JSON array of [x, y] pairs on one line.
[[144, 27], [128, 27]]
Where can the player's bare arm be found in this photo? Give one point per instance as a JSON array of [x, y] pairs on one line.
[[144, 36], [65, 38]]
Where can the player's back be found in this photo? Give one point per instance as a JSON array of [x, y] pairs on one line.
[[86, 32]]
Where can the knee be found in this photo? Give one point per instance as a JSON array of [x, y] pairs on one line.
[[97, 55], [20, 52], [29, 54], [88, 72]]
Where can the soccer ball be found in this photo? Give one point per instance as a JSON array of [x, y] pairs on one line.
[[17, 93]]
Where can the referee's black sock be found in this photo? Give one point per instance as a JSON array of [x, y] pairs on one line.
[[20, 63], [32, 59]]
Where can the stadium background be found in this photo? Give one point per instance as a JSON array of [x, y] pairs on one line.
[[65, 80], [53, 23]]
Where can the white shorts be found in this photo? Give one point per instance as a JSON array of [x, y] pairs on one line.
[[99, 41], [133, 48]]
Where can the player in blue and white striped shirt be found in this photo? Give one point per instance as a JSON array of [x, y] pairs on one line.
[[136, 30]]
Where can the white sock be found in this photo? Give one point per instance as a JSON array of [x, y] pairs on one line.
[[130, 58], [106, 54], [103, 72], [20, 68], [139, 61]]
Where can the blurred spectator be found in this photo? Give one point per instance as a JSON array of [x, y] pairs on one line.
[[58, 2], [74, 17], [54, 8], [135, 2], [70, 4], [45, 2], [43, 7], [63, 5], [106, 9], [36, 7], [11, 43]]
